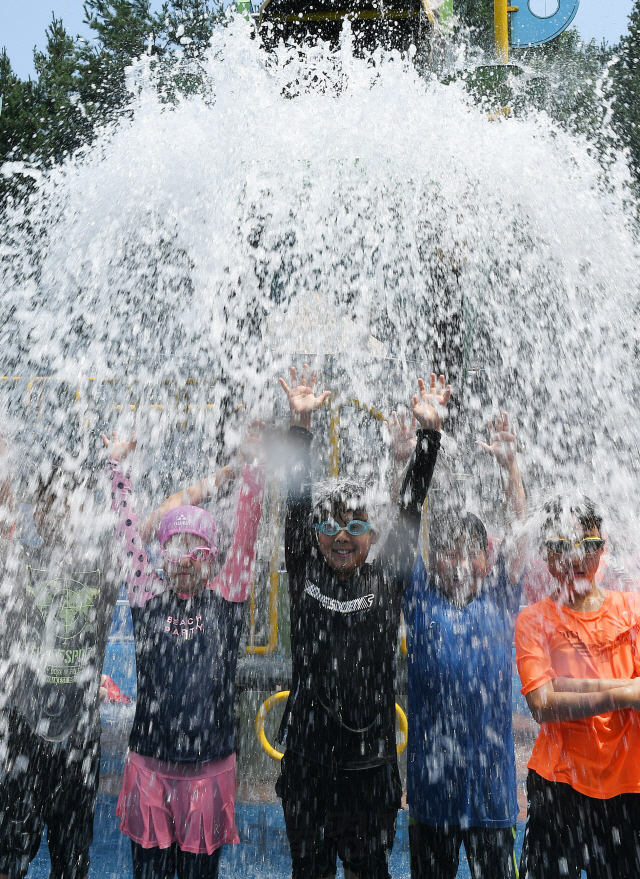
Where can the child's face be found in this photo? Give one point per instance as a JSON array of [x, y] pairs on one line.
[[576, 568], [460, 569], [183, 573], [346, 552]]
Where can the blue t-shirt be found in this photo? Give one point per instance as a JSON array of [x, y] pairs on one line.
[[461, 765]]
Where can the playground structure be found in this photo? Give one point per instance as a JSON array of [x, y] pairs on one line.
[[400, 24], [395, 24]]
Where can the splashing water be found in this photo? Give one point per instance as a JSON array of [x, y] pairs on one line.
[[369, 202]]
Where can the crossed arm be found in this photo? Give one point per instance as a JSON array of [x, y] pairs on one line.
[[578, 698]]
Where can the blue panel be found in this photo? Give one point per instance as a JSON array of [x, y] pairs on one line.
[[120, 665], [528, 29]]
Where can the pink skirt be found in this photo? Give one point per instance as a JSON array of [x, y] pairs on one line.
[[190, 803]]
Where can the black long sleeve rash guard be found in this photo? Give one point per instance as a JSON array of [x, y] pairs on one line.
[[341, 709]]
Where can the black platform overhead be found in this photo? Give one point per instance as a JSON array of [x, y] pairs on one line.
[[392, 24]]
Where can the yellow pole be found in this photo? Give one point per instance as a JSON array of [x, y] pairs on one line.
[[270, 647], [501, 29], [334, 440]]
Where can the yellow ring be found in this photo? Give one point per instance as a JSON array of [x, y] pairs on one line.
[[268, 704], [403, 723], [261, 716]]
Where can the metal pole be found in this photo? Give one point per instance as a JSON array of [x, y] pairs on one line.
[[501, 30]]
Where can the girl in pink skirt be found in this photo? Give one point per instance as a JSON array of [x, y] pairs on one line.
[[177, 799]]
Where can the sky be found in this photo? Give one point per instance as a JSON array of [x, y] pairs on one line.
[[23, 24]]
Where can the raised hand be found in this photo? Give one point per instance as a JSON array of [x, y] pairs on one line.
[[251, 449], [119, 449], [402, 433], [302, 399], [429, 408], [502, 442]]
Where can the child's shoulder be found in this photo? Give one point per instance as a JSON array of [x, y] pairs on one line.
[[624, 603], [540, 613]]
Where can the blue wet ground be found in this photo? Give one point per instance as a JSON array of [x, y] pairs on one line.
[[263, 850]]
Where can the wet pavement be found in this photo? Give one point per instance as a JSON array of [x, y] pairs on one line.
[[263, 850]]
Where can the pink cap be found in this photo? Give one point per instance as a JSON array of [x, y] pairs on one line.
[[188, 520]]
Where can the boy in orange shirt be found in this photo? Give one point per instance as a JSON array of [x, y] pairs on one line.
[[579, 664]]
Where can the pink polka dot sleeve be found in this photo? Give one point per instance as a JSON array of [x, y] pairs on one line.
[[140, 578]]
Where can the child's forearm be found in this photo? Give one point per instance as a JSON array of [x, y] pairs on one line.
[[514, 496], [549, 706], [588, 685], [515, 500], [234, 579], [191, 496], [139, 576], [418, 477]]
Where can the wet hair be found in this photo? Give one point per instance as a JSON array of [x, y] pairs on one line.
[[449, 529], [337, 497], [559, 509], [57, 478]]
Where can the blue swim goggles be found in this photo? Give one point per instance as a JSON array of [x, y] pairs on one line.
[[356, 527]]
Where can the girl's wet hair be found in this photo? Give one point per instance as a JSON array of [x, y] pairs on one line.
[[559, 510], [58, 479], [339, 496], [449, 529]]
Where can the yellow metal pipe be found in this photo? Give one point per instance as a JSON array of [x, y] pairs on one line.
[[424, 549], [334, 440], [272, 643], [501, 29], [375, 413], [429, 13]]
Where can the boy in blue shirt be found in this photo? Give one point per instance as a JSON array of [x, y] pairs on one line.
[[460, 619]]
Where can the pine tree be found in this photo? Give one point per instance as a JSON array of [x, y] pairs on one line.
[[63, 121], [569, 72], [189, 24], [626, 87], [18, 123], [125, 30], [185, 31], [476, 17]]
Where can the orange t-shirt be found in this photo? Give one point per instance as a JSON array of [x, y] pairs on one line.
[[598, 756]]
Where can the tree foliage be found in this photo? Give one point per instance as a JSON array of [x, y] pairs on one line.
[[626, 88], [81, 84]]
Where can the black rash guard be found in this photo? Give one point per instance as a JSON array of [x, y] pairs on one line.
[[341, 708]]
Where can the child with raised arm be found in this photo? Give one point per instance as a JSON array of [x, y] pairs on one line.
[[57, 602], [460, 617], [579, 662], [177, 799], [339, 780]]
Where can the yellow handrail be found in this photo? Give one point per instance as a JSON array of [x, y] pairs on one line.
[[272, 643], [429, 13], [272, 700], [334, 429], [261, 716], [334, 439]]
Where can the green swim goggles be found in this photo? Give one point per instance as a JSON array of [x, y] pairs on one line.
[[356, 528]]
